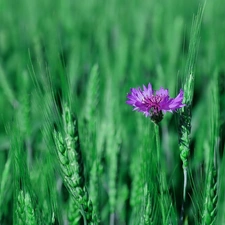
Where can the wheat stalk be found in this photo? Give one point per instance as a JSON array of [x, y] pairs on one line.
[[185, 112], [5, 184]]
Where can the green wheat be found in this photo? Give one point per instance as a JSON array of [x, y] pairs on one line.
[[211, 197], [109, 165], [24, 210], [74, 215], [70, 159]]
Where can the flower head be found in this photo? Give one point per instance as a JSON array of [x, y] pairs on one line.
[[154, 103]]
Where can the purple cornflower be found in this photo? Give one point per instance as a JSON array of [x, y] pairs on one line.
[[154, 103]]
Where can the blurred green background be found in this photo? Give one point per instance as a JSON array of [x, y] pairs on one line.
[[133, 42]]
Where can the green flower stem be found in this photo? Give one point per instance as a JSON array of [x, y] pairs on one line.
[[157, 143], [161, 177]]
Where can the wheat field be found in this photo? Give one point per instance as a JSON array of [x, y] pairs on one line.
[[72, 149]]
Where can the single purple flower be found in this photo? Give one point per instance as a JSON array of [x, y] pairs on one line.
[[154, 103]]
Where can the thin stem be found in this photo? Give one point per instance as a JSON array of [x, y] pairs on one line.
[[85, 220], [184, 196], [84, 216], [157, 142], [185, 184], [161, 183], [112, 218]]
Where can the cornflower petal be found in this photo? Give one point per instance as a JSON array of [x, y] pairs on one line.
[[162, 92], [147, 91], [152, 103]]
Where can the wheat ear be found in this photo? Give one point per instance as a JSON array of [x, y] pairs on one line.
[[73, 214], [211, 198], [148, 212], [71, 164], [24, 209], [185, 112]]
